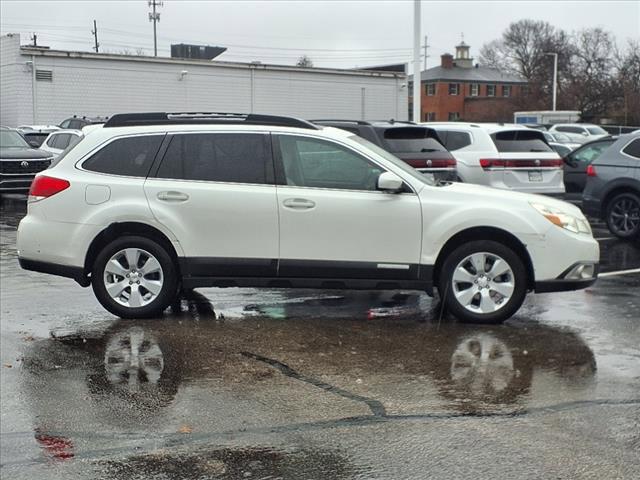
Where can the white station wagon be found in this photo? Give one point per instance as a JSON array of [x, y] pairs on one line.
[[154, 203]]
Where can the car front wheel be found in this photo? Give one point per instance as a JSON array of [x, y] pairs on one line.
[[134, 277], [623, 215], [483, 282]]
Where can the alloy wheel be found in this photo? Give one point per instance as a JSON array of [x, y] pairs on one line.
[[483, 282], [625, 216], [133, 277]]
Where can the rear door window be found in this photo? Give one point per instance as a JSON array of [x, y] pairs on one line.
[[130, 156], [633, 149], [520, 141], [218, 157], [410, 140]]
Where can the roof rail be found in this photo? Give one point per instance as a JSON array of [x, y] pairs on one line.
[[357, 122], [190, 118]]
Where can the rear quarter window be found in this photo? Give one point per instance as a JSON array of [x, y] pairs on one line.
[[633, 149], [520, 141], [130, 156]]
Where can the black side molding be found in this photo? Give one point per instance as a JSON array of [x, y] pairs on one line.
[[76, 273]]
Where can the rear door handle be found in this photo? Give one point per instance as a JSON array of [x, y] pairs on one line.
[[173, 196], [299, 203]]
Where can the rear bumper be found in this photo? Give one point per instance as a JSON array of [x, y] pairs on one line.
[[591, 206], [76, 273]]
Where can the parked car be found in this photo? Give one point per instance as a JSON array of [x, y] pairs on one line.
[[152, 202], [612, 191], [561, 148], [559, 137], [35, 135], [76, 123], [510, 157], [19, 161], [417, 145], [577, 161], [60, 140], [579, 132]]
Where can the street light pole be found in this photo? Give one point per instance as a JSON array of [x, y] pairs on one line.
[[555, 77], [417, 76]]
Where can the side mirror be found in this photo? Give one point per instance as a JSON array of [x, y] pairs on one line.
[[389, 182], [33, 144], [585, 134]]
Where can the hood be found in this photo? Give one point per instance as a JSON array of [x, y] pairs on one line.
[[24, 153], [478, 192]]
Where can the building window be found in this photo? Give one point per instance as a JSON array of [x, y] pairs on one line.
[[475, 89], [454, 88], [431, 89], [506, 90], [430, 117], [454, 116], [491, 90]]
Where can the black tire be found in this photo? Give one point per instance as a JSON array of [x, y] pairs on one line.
[[163, 298], [620, 226], [505, 311]]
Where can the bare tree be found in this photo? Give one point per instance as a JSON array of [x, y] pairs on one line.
[[590, 76], [627, 66], [304, 61]]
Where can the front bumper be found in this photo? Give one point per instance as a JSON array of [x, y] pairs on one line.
[[565, 284]]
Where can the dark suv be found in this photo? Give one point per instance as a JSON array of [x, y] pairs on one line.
[[19, 161], [417, 145], [613, 187]]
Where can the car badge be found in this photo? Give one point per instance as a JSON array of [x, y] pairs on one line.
[[24, 164]]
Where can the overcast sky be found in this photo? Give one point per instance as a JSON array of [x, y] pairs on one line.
[[334, 33]]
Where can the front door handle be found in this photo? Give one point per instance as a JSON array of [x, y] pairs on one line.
[[173, 196], [299, 203]]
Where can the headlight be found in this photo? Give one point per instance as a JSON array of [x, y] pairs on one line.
[[563, 219]]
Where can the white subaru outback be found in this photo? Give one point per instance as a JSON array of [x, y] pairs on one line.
[[152, 203]]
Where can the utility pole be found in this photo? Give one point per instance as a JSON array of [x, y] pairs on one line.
[[426, 46], [34, 38], [417, 76], [95, 36], [155, 18], [555, 77]]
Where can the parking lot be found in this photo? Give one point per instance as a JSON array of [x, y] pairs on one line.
[[242, 383]]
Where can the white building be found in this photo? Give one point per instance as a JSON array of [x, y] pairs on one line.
[[42, 86]]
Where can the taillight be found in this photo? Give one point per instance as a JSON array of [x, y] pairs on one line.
[[493, 163], [591, 171], [429, 163], [44, 187]]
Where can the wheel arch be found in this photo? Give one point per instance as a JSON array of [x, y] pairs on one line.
[[486, 233], [119, 229], [617, 190]]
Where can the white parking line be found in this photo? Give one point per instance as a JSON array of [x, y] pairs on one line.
[[605, 238], [619, 272]]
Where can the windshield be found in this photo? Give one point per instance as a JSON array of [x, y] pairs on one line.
[[11, 139], [410, 140], [596, 131], [393, 159], [561, 137]]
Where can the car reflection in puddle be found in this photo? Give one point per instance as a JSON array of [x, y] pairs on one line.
[[293, 361]]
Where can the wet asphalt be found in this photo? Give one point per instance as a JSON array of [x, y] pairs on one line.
[[284, 384]]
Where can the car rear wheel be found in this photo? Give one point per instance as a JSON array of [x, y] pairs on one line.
[[483, 282], [623, 215], [134, 277]]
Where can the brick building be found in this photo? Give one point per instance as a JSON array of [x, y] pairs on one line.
[[458, 89]]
